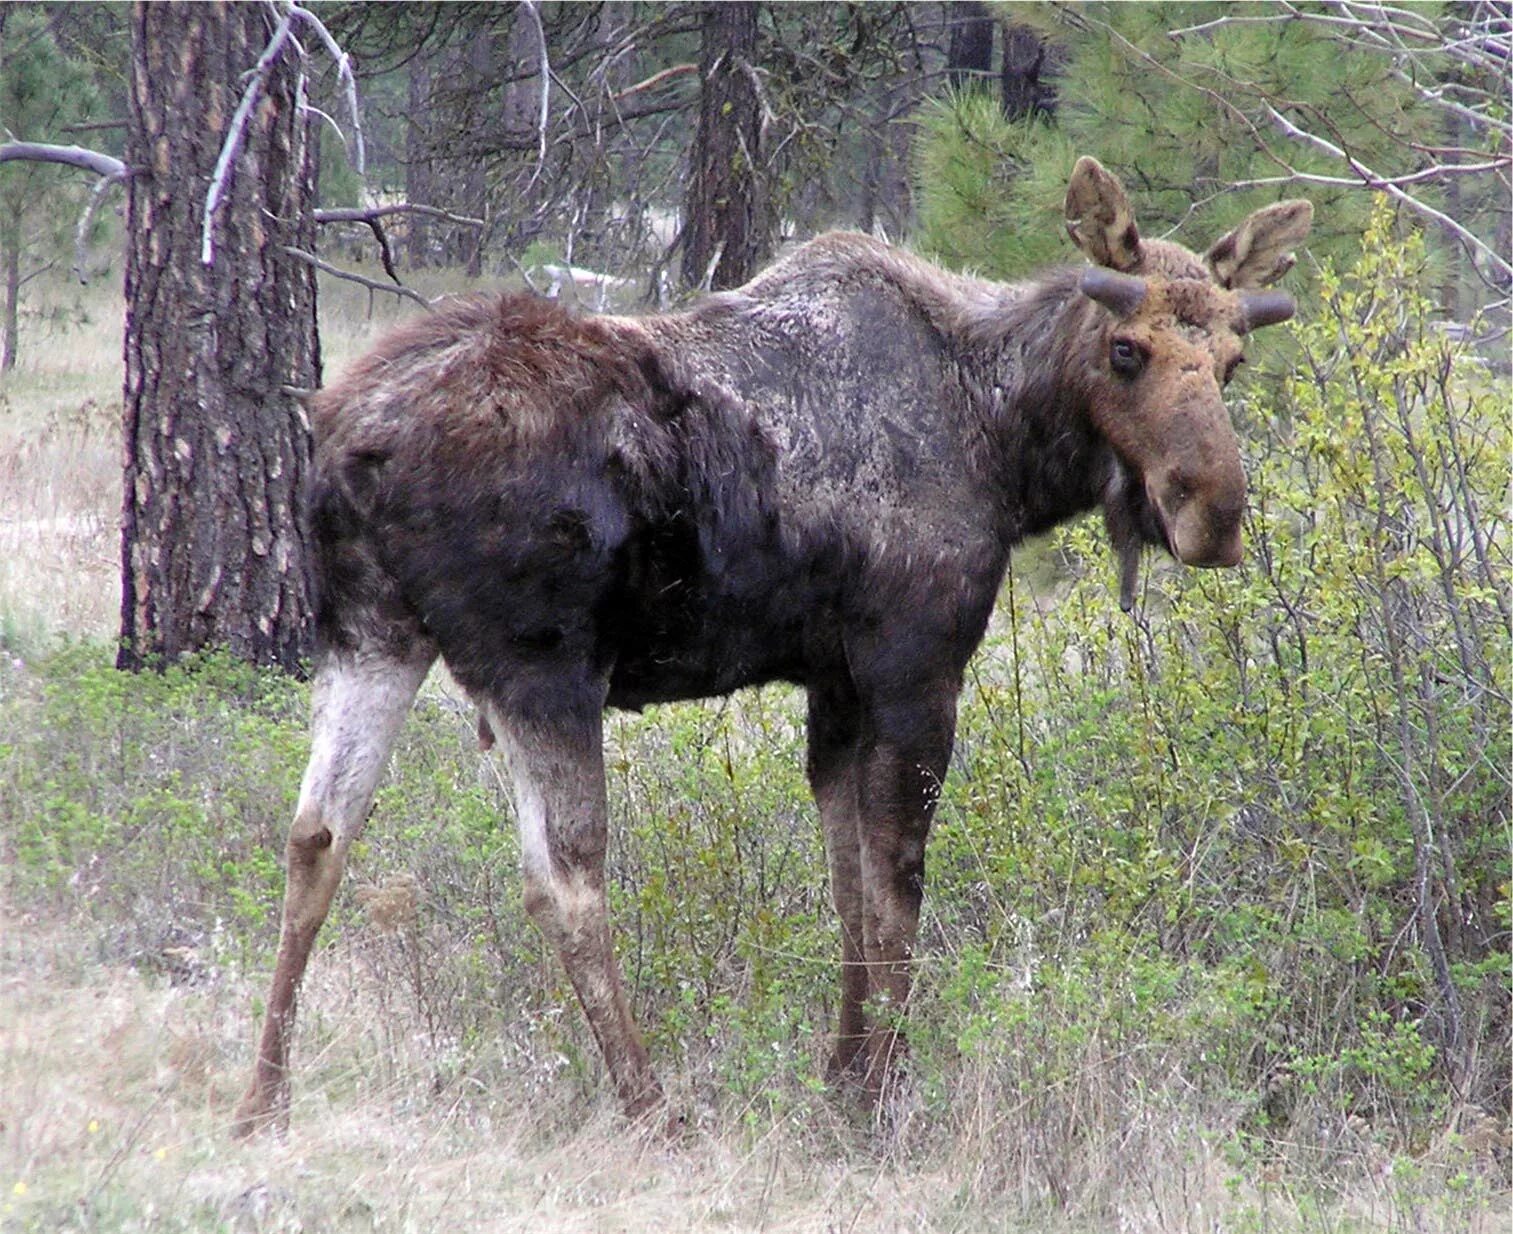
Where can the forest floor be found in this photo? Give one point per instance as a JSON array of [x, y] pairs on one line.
[[118, 1089]]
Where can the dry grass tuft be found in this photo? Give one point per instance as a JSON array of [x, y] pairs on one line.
[[117, 1088]]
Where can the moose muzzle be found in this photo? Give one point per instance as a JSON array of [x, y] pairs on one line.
[[1202, 521]]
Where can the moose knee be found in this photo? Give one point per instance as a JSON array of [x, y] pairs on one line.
[[567, 909], [309, 838]]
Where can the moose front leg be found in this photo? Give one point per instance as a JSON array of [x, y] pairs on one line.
[[557, 766], [900, 780], [834, 736]]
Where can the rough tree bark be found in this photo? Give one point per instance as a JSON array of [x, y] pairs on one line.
[[969, 51], [1024, 85], [418, 168], [726, 235], [216, 447]]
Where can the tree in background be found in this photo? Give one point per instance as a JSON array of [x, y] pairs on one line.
[[220, 330], [43, 90], [727, 228], [1212, 112], [969, 51], [594, 161]]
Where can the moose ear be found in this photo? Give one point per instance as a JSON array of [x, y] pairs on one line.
[[1259, 251], [1099, 218]]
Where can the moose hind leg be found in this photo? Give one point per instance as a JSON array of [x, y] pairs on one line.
[[557, 767], [359, 701]]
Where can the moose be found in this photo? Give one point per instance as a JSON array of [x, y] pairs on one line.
[[815, 478]]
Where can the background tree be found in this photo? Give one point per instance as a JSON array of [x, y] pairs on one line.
[[43, 91], [601, 174], [726, 228], [969, 50], [220, 329]]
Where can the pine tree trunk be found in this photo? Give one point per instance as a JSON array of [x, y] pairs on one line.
[[726, 235], [481, 72], [1021, 91], [216, 448], [969, 50], [9, 340], [418, 181]]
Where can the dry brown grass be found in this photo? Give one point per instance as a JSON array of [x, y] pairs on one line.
[[60, 471], [116, 1088]]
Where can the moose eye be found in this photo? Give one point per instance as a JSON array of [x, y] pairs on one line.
[[1125, 357]]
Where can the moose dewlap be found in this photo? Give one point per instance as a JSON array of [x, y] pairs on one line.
[[815, 478]]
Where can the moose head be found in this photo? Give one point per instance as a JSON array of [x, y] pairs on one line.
[[1167, 337]]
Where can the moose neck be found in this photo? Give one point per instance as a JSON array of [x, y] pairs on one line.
[[1026, 364]]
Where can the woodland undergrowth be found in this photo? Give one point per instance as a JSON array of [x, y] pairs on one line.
[[1218, 898]]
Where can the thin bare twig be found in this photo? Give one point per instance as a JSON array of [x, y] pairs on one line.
[[233, 142], [545, 69], [655, 80], [358, 152], [87, 218], [364, 214], [407, 293]]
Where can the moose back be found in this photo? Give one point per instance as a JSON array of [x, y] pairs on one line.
[[815, 478]]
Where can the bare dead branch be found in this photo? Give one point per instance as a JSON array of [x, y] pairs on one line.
[[256, 76], [72, 156], [97, 126], [655, 80], [525, 275], [356, 151], [325, 267], [363, 214], [87, 218], [748, 70]]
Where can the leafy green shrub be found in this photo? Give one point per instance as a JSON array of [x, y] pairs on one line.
[[1285, 786]]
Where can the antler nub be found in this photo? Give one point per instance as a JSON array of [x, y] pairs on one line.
[[1121, 294], [1266, 308]]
